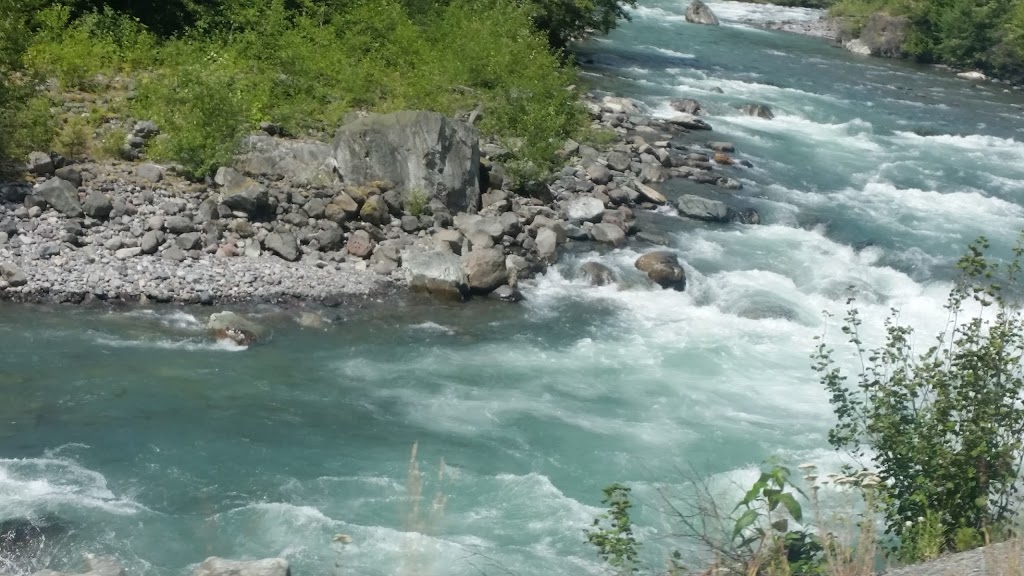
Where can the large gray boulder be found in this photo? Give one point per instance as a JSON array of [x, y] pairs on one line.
[[482, 231], [686, 106], [239, 192], [699, 13], [61, 195], [663, 268], [97, 205], [688, 121], [415, 150], [585, 208], [283, 244], [608, 234], [698, 208], [220, 567], [436, 272], [234, 327], [300, 162], [597, 274], [485, 270], [12, 275], [40, 164]]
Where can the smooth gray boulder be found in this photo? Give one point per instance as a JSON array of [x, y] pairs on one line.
[[688, 121], [40, 164], [608, 234], [663, 268], [436, 272], [599, 174], [585, 208], [482, 231], [235, 327], [414, 150], [240, 192], [547, 245], [150, 171], [618, 161], [283, 244], [220, 567], [698, 208], [61, 195], [687, 106], [485, 270], [300, 162], [12, 275], [70, 173], [699, 13]]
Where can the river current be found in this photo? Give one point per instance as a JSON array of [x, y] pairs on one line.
[[145, 441]]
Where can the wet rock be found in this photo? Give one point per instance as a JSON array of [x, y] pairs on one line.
[[97, 205], [607, 233], [416, 150], [585, 208], [547, 245], [857, 46], [758, 110], [485, 269], [699, 13], [650, 194], [96, 566], [435, 272], [507, 294], [236, 328], [689, 121], [747, 216], [61, 195], [219, 567], [360, 244], [283, 244], [687, 106], [698, 208], [972, 75], [12, 275], [40, 164], [723, 159], [722, 146], [663, 268], [597, 274]]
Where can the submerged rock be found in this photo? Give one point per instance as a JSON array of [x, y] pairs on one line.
[[597, 274], [214, 566], [234, 327], [758, 110], [663, 268], [699, 13], [687, 105], [96, 565]]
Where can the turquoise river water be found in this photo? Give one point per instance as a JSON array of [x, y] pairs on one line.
[[146, 441]]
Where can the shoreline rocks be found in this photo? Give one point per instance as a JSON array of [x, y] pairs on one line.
[[297, 220]]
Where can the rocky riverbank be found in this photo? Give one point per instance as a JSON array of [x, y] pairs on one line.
[[408, 199]]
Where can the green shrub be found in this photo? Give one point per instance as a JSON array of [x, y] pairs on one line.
[[33, 126], [202, 109], [943, 424], [74, 137], [415, 201], [111, 144]]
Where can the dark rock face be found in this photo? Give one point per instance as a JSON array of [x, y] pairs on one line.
[[414, 150]]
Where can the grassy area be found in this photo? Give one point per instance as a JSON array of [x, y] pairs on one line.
[[303, 65]]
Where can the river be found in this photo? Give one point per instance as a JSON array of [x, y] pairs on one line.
[[152, 444]]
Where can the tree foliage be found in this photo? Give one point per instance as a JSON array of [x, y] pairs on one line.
[[944, 427]]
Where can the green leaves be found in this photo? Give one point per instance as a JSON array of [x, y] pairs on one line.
[[944, 424], [612, 534]]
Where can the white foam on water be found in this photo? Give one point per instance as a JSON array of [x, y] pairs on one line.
[[33, 486], [432, 327], [668, 52], [190, 345], [655, 13], [174, 318], [987, 148], [732, 11], [857, 134]]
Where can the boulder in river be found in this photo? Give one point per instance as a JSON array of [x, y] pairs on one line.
[[436, 272], [688, 121], [485, 269], [416, 150], [699, 208], [597, 274], [214, 566], [585, 208], [236, 328], [687, 106], [699, 13], [758, 110], [663, 268], [96, 565], [610, 234]]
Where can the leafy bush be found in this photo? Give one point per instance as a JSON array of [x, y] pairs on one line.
[[415, 201], [74, 137], [111, 144], [944, 425]]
